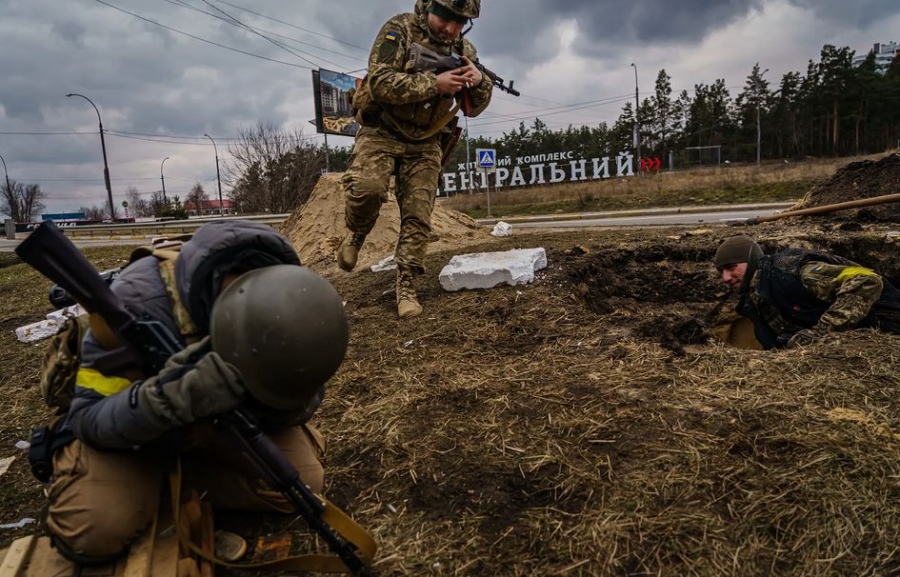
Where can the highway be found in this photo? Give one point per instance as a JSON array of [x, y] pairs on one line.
[[140, 233], [720, 217]]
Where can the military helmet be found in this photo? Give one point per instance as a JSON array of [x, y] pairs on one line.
[[284, 328], [468, 9]]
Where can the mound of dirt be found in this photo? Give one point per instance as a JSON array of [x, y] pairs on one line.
[[316, 228], [857, 181]]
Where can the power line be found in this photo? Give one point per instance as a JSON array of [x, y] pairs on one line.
[[260, 34], [366, 50], [139, 17], [47, 133], [269, 32]]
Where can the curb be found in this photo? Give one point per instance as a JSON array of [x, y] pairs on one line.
[[634, 212]]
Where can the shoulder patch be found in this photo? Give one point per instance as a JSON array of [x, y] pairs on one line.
[[389, 47]]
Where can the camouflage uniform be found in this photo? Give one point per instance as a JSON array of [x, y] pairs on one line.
[[796, 289], [397, 109]]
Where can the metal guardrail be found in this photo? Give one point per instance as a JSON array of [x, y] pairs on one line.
[[163, 228]]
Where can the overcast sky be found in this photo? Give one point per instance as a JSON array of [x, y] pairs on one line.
[[164, 72]]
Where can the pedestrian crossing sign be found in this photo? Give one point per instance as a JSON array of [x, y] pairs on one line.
[[487, 157]]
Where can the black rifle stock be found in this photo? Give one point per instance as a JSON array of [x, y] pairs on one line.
[[426, 60], [150, 343]]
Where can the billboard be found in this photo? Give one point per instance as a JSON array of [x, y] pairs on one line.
[[333, 97]]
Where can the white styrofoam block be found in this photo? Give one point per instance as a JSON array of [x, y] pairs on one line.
[[37, 331], [489, 269], [386, 263], [502, 229], [62, 314]]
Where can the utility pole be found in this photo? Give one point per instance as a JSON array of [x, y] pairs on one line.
[[112, 208], [8, 187], [758, 125], [218, 178], [637, 117], [163, 179], [468, 157]]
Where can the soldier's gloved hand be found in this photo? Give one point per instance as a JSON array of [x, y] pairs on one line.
[[803, 338], [194, 384]]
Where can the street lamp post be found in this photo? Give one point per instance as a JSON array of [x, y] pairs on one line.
[[8, 187], [112, 209], [637, 117], [218, 178], [758, 125], [163, 179]]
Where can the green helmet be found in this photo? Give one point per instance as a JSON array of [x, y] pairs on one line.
[[468, 9], [284, 328]]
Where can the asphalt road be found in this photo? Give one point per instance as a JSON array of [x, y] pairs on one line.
[[647, 217], [650, 220]]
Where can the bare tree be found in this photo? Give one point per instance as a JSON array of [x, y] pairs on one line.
[[197, 199], [157, 205], [273, 171], [94, 212], [137, 205], [22, 202]]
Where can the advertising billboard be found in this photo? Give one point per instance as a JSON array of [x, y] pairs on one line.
[[333, 97]]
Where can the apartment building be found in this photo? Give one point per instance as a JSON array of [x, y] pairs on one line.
[[884, 55]]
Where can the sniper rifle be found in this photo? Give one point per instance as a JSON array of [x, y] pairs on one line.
[[149, 344]]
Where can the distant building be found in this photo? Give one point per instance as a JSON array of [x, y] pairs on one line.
[[209, 207], [884, 55]]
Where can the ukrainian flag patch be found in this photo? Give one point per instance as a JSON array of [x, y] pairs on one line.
[[392, 36]]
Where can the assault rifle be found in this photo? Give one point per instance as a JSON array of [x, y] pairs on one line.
[[425, 60], [148, 344]]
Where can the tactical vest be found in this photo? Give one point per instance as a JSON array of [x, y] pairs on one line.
[[62, 359], [415, 121], [779, 284]]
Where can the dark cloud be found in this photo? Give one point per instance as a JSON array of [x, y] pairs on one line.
[[148, 79], [857, 14], [607, 22]]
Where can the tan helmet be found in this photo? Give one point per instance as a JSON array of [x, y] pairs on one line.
[[469, 9], [284, 328]]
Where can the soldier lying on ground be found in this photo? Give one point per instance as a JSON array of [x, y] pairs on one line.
[[796, 296]]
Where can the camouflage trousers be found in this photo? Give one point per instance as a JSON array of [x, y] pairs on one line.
[[376, 157]]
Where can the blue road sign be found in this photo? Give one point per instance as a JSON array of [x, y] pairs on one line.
[[487, 157]]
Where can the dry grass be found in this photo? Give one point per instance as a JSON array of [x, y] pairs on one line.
[[585, 424]]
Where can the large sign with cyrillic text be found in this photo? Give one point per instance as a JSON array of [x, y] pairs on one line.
[[537, 169]]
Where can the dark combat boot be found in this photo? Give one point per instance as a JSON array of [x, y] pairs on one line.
[[348, 251], [407, 304]]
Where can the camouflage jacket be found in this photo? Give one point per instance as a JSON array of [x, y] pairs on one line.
[[407, 103], [797, 289], [104, 411]]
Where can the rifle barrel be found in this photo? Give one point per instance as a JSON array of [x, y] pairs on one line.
[[55, 256]]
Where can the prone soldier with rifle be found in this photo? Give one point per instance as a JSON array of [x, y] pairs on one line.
[[210, 361], [406, 107]]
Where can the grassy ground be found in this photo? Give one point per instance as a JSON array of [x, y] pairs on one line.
[[732, 184], [589, 423]]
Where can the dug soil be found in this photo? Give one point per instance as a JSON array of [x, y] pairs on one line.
[[591, 422]]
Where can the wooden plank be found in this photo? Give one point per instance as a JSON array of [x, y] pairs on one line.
[[15, 561], [164, 561], [45, 561], [207, 539]]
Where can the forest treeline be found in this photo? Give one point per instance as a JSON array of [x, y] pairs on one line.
[[834, 109]]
